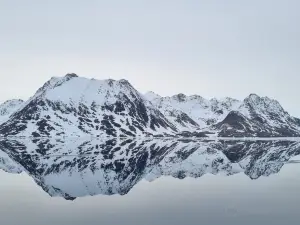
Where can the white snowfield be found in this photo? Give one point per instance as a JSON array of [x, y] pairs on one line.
[[76, 106]]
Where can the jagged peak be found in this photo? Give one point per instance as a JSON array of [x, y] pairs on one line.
[[263, 104], [150, 95], [12, 101], [229, 99], [58, 81], [214, 100], [10, 106], [196, 97], [125, 83], [252, 97], [225, 99], [73, 91], [256, 99], [71, 75], [180, 97]]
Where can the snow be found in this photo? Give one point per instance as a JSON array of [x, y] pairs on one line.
[[72, 93], [199, 109], [8, 108], [8, 165], [151, 96], [268, 109], [88, 91], [179, 112]]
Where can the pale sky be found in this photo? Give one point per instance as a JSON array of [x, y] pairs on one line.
[[213, 48]]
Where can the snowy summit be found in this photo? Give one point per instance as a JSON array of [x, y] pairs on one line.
[[77, 106]]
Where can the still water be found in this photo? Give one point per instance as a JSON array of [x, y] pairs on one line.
[[81, 181]]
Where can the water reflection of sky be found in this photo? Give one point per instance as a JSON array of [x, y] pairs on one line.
[[207, 200]]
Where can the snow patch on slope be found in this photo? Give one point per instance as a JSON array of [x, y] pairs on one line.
[[203, 111], [8, 108]]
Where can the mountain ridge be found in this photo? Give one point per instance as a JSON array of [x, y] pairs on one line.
[[77, 106]]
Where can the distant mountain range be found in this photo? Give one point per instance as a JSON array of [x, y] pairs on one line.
[[75, 106]]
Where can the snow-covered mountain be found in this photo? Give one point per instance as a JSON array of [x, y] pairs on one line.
[[203, 111], [76, 106], [72, 168], [254, 117], [8, 108], [259, 117]]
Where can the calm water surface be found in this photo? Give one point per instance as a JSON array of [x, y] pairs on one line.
[[47, 182]]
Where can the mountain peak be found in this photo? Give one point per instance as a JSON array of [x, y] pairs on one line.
[[126, 84], [229, 99], [151, 96], [197, 97], [72, 105], [71, 75], [180, 97], [12, 101], [9, 107], [124, 81], [253, 96], [254, 99]]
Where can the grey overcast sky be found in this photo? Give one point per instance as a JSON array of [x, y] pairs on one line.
[[214, 48]]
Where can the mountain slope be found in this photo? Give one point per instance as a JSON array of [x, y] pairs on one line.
[[259, 117], [8, 108], [75, 106], [200, 110], [253, 117], [178, 117]]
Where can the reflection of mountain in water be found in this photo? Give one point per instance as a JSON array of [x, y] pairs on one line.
[[75, 168]]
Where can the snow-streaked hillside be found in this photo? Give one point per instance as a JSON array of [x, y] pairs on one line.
[[259, 117], [8, 108], [203, 111], [253, 117], [76, 106]]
